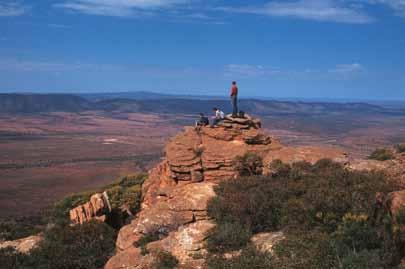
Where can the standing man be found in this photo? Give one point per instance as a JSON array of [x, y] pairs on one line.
[[234, 99]]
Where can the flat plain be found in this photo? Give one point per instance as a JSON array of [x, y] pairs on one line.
[[45, 156]]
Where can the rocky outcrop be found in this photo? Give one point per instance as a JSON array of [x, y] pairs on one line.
[[309, 154], [395, 168], [24, 245], [177, 191], [96, 209]]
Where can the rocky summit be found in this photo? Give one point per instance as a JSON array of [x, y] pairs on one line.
[[177, 191]]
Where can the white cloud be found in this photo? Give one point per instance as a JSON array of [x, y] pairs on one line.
[[397, 5], [317, 10], [348, 68], [118, 8], [245, 70], [338, 72], [44, 66], [12, 9]]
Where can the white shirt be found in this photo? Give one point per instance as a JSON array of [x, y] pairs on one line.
[[219, 114]]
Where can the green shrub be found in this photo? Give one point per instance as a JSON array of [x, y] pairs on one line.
[[355, 233], [279, 168], [146, 239], [311, 249], [328, 214], [165, 260], [249, 164], [364, 259], [11, 259], [20, 227], [228, 236], [400, 148], [318, 195], [59, 213], [250, 201], [84, 246], [381, 155], [249, 258]]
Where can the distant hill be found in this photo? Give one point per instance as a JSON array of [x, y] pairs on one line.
[[31, 103], [257, 107], [143, 95]]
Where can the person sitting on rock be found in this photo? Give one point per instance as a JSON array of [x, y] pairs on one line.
[[202, 121], [219, 116]]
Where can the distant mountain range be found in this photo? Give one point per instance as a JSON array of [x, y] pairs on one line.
[[171, 104]]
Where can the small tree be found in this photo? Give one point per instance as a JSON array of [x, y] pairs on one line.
[[249, 164]]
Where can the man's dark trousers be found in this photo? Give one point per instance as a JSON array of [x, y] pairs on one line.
[[234, 100]]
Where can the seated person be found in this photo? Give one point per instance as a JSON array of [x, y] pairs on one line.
[[219, 116], [202, 121]]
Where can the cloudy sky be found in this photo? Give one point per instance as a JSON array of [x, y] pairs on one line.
[[279, 48]]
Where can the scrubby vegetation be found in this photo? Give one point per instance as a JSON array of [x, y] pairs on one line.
[[84, 246], [81, 246], [249, 164], [383, 154], [248, 258], [15, 228], [165, 260], [400, 148], [328, 214]]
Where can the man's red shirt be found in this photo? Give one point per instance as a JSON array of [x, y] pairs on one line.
[[234, 90]]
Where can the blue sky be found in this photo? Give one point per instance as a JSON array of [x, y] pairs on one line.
[[281, 48]]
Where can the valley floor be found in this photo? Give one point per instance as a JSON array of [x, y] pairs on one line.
[[46, 156]]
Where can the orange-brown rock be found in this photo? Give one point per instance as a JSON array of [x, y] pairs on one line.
[[23, 245], [96, 208], [177, 191], [395, 168], [186, 243], [306, 153], [130, 259], [395, 202]]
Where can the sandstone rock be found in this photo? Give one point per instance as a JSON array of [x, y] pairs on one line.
[[185, 204], [96, 208], [24, 245], [395, 202], [130, 259], [266, 241], [177, 191], [185, 244]]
